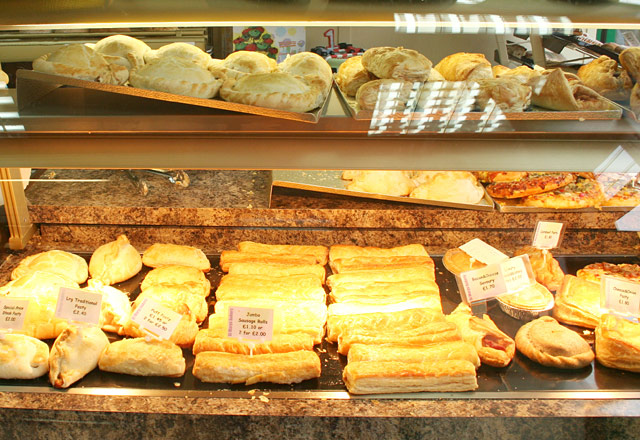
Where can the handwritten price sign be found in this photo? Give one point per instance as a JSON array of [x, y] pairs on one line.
[[620, 296], [496, 279], [12, 313], [156, 319], [547, 235], [250, 323], [78, 305]]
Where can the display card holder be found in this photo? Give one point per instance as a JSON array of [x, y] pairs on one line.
[[155, 319]]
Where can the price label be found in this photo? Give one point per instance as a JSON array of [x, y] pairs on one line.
[[250, 323], [620, 296], [12, 313], [78, 305], [483, 252], [548, 235], [156, 319], [496, 279]]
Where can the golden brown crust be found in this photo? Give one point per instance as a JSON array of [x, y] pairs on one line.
[[338, 251], [390, 94], [457, 261], [635, 100], [400, 377], [115, 261], [533, 297], [354, 264], [246, 287], [522, 74], [630, 61], [215, 340], [625, 196], [320, 253], [278, 270], [62, 263], [595, 271], [582, 193], [139, 357], [397, 63], [286, 368], [382, 275], [190, 278], [548, 343], [165, 254], [351, 75], [545, 268], [464, 66], [533, 183], [578, 302], [618, 343], [605, 77], [229, 257], [507, 94], [176, 298], [440, 351]]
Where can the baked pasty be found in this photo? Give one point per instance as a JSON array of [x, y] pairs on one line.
[[231, 257], [128, 51], [392, 183], [494, 347], [605, 77], [115, 261], [115, 309], [440, 351], [82, 62], [618, 343], [400, 377], [215, 340], [507, 94], [62, 263], [552, 90], [522, 74], [186, 51], [141, 357], [277, 90], [386, 94], [545, 268], [464, 66], [312, 68], [75, 353], [278, 270], [176, 75], [244, 62], [578, 302], [187, 277], [176, 298], [23, 357], [351, 75], [450, 186], [319, 252], [163, 254], [630, 61], [397, 63], [548, 343], [287, 368]]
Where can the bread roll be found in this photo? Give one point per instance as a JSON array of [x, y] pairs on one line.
[[23, 357], [464, 66], [115, 261], [351, 75], [62, 263], [139, 357], [397, 63]]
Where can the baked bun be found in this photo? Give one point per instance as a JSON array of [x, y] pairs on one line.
[[464, 66], [605, 77], [23, 357], [397, 63], [545, 268], [63, 263], [387, 94], [177, 75], [166, 254], [507, 94], [351, 75], [277, 90], [630, 61], [185, 51], [115, 261], [548, 343], [128, 51], [617, 343], [140, 357], [82, 62], [450, 186]]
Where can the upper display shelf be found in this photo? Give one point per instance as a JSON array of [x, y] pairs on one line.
[[449, 15]]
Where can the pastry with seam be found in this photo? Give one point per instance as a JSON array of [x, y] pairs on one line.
[[227, 258], [618, 343], [394, 95], [464, 66], [548, 343], [312, 68], [545, 268], [397, 63], [115, 261], [383, 275], [116, 307], [23, 357], [63, 263], [440, 351], [211, 339], [128, 51], [185, 51], [166, 254], [506, 94], [605, 77], [578, 302], [243, 62], [142, 357], [351, 75]]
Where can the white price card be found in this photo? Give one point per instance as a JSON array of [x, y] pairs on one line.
[[496, 279], [156, 319], [547, 235], [12, 313], [78, 305], [483, 252], [620, 296], [250, 323]]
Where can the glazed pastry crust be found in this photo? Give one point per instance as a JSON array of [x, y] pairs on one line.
[[630, 61], [547, 342], [300, 287], [339, 251], [163, 254], [285, 368], [185, 276], [139, 357], [116, 308], [351, 75], [115, 261], [532, 297], [399, 377], [464, 66], [618, 343], [58, 262], [418, 273], [546, 268], [578, 302], [23, 357], [230, 257], [605, 77], [440, 351], [494, 347], [319, 252], [216, 340], [75, 353], [183, 336], [174, 297], [278, 270], [507, 94], [382, 289], [397, 63], [392, 94], [356, 264]]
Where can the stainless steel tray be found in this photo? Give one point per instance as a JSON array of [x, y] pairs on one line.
[[514, 206], [331, 182], [32, 86]]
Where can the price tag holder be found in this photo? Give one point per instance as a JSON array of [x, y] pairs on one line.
[[78, 305], [483, 252], [548, 235], [12, 313], [156, 319], [496, 279], [250, 323], [620, 296]]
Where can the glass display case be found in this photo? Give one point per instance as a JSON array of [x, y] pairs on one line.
[[103, 161]]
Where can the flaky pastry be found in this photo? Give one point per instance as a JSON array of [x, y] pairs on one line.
[[578, 302], [507, 94], [618, 343], [338, 251], [351, 75], [605, 77], [397, 63], [423, 272], [244, 62], [545, 268], [141, 357], [312, 68], [393, 95], [439, 351], [115, 261], [464, 66], [630, 61], [62, 263], [278, 270], [185, 51], [188, 277], [214, 340], [128, 51], [230, 257], [115, 309], [319, 252], [165, 254]]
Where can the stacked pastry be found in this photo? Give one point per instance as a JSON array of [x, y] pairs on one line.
[[286, 278]]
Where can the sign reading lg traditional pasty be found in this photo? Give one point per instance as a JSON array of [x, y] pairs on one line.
[[250, 323], [78, 305], [156, 319], [13, 312]]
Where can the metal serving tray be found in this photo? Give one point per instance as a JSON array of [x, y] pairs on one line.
[[521, 379]]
